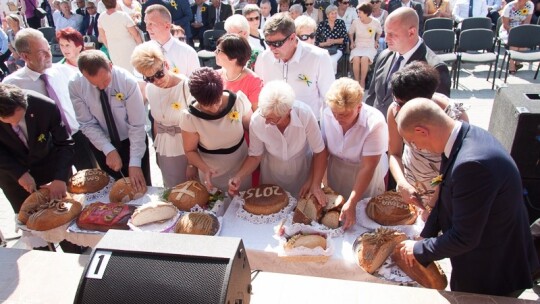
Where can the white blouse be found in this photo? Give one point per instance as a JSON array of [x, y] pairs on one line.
[[368, 137], [303, 127]]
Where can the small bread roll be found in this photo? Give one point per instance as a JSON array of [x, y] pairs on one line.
[[311, 241]]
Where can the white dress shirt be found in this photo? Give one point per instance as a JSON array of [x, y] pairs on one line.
[[59, 77], [309, 72], [129, 112], [461, 9], [181, 57], [61, 22]]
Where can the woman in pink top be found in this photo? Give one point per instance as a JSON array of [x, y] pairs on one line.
[[232, 54]]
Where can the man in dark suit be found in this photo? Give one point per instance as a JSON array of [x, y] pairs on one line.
[[395, 4], [404, 47], [219, 12], [200, 21], [480, 210], [35, 148], [89, 24], [81, 9]]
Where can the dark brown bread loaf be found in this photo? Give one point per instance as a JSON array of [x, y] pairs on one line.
[[389, 209], [431, 276]]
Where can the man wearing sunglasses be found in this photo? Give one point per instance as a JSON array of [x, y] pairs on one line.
[[404, 47], [306, 68], [110, 110]]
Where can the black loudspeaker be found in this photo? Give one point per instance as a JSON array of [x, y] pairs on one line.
[[144, 267], [515, 122]]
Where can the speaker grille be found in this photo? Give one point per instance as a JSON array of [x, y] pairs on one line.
[[134, 277]]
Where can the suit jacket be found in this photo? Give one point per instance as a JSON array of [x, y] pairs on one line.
[[224, 13], [483, 218], [379, 94], [179, 9], [81, 12], [395, 4], [50, 148], [204, 15], [86, 23]]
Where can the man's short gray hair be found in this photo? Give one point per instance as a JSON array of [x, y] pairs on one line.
[[276, 97], [250, 8], [296, 8], [237, 22], [23, 37]]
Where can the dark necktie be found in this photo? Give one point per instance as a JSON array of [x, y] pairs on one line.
[[395, 68], [17, 129], [53, 96], [109, 119], [470, 8], [444, 162], [90, 27]]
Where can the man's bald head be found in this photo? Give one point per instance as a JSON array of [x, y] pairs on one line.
[[401, 28], [406, 16]]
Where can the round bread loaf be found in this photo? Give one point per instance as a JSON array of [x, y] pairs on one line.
[[311, 241], [153, 212], [87, 181], [331, 219], [199, 223], [431, 276], [54, 214], [122, 191], [388, 209], [31, 204], [372, 249], [265, 199], [188, 194], [102, 217]]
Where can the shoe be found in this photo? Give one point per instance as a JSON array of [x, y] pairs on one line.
[[512, 72], [519, 66]]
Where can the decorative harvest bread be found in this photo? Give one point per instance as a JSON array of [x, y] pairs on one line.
[[186, 195], [102, 217], [431, 276], [307, 210], [311, 241], [153, 212], [372, 249], [331, 219], [388, 209], [54, 214], [87, 181], [32, 203], [123, 191], [199, 223], [265, 199]]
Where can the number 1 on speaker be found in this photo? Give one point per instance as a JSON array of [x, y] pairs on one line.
[[98, 264]]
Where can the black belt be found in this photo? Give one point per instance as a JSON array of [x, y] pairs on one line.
[[222, 151]]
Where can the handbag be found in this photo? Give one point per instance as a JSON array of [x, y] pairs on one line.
[[39, 12], [331, 49]]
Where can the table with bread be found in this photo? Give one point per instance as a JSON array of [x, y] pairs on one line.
[[280, 233]]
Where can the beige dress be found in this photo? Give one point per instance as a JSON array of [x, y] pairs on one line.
[[221, 132]]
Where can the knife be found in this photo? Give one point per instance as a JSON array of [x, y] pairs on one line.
[[125, 179]]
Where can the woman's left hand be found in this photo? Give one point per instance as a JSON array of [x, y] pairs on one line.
[[192, 173], [348, 215]]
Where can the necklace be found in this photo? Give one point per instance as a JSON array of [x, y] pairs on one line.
[[235, 78]]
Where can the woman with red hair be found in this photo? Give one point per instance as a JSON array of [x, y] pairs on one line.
[[71, 44]]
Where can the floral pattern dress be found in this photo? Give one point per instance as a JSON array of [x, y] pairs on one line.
[[339, 31], [516, 16]]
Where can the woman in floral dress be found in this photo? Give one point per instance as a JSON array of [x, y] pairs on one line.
[[515, 13], [332, 33]]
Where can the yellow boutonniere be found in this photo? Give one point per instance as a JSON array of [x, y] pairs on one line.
[[304, 78], [118, 95], [41, 138], [234, 115], [176, 106], [436, 180], [524, 11], [175, 70], [174, 4], [203, 9]]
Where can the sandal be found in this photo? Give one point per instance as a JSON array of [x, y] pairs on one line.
[[519, 66]]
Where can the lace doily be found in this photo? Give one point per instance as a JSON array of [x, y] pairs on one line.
[[87, 197], [412, 231], [391, 272], [288, 232], [263, 219], [320, 228]]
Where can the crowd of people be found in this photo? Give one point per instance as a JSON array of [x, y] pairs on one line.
[[273, 113]]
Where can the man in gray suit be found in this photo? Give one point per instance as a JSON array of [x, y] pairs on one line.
[[404, 47]]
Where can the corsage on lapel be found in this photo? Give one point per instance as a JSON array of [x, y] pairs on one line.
[[41, 138], [437, 180], [118, 95], [304, 78], [174, 4]]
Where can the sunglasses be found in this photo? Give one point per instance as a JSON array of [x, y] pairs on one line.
[[309, 4], [279, 43], [306, 37], [158, 75], [345, 2], [253, 18]]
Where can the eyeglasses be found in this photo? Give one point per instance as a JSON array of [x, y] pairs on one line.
[[253, 18], [279, 43], [306, 37], [158, 75], [272, 120], [309, 4], [183, 39]]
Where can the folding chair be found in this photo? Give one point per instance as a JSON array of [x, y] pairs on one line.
[[441, 41], [476, 46], [207, 56], [438, 23], [219, 25], [476, 23], [49, 33], [523, 36]]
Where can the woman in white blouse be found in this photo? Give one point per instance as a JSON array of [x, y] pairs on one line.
[[313, 13], [356, 136], [168, 95], [286, 141]]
